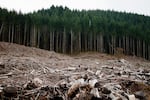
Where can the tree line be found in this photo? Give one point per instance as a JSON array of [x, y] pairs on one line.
[[68, 31]]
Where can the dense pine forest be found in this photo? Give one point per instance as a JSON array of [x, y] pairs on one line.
[[71, 31]]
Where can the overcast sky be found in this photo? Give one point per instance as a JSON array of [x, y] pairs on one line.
[[136, 6]]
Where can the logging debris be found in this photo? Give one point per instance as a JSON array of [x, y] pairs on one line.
[[34, 74]]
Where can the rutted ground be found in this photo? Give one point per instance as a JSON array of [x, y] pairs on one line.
[[31, 73]]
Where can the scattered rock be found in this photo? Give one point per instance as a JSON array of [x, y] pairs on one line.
[[85, 77], [145, 71], [147, 74], [105, 97], [105, 90], [73, 90], [131, 97], [38, 82], [71, 68], [30, 86], [10, 91], [123, 61], [98, 72], [2, 65], [95, 92], [140, 95], [148, 82], [93, 82], [97, 63], [83, 96], [1, 89], [124, 76], [97, 85], [90, 71]]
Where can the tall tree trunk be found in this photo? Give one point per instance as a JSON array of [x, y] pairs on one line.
[[101, 43], [50, 41], [64, 42], [1, 29], [27, 41], [127, 45], [144, 49], [139, 52], [57, 37], [9, 37], [113, 44], [110, 44], [71, 42], [130, 46], [25, 33], [137, 47], [90, 41], [38, 38], [12, 36], [79, 42], [34, 37], [94, 42], [85, 41], [19, 34], [133, 46], [120, 46], [60, 42], [124, 44], [98, 43], [148, 52]]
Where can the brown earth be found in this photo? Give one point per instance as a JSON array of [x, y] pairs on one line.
[[20, 65]]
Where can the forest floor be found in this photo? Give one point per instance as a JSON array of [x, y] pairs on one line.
[[28, 73]]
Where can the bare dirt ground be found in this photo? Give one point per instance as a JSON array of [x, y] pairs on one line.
[[26, 71]]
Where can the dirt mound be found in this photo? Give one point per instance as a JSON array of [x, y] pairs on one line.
[[16, 49]]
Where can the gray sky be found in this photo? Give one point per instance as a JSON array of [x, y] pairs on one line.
[[136, 6]]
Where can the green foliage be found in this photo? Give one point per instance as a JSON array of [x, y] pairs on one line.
[[92, 21]]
